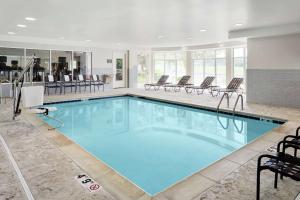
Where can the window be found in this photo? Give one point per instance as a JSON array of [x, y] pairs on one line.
[[159, 65], [171, 64], [198, 71], [209, 63], [142, 70], [221, 67], [239, 62]]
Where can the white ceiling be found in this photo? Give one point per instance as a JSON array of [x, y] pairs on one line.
[[140, 22]]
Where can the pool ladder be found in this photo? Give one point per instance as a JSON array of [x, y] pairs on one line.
[[240, 97]]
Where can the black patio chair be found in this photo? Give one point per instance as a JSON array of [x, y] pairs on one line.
[[81, 82], [294, 138], [233, 86], [280, 163], [50, 82], [68, 82], [160, 83], [183, 82], [95, 81], [206, 84]]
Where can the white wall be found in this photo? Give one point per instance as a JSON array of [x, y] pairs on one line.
[[277, 52], [274, 70], [100, 57]]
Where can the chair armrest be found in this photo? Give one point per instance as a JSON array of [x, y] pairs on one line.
[[214, 86], [280, 157], [290, 136], [265, 156], [287, 144]]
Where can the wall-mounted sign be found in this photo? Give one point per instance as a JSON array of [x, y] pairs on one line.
[[109, 60]]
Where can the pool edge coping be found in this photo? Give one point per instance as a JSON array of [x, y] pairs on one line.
[[178, 103]]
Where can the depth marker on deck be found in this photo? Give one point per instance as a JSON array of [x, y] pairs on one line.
[[19, 174]]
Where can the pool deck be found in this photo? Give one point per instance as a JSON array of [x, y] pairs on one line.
[[49, 161]]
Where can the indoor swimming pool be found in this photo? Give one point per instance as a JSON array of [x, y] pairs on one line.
[[154, 144]]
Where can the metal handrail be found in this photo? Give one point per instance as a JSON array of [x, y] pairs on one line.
[[240, 96], [227, 96], [227, 122], [235, 125], [17, 86]]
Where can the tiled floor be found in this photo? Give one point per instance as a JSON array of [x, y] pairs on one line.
[[49, 168]]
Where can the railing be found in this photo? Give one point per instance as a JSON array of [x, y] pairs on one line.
[[236, 102], [17, 87], [227, 97]]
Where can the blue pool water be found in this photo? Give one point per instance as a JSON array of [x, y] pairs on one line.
[[154, 144]]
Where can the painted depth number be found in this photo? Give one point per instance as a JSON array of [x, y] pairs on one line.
[[88, 183]]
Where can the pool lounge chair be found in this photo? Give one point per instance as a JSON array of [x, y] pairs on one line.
[[206, 84], [233, 86], [51, 83], [156, 86], [81, 82], [183, 82], [67, 82], [95, 81], [282, 164]]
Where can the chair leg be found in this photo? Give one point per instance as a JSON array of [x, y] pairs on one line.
[[295, 152], [276, 180], [258, 184]]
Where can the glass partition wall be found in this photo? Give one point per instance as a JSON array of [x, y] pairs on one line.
[[54, 62], [82, 64], [61, 64], [41, 65], [11, 63]]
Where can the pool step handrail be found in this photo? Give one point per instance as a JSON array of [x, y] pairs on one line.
[[227, 97], [240, 96]]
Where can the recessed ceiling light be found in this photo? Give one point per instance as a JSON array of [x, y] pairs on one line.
[[61, 38], [30, 18], [21, 25], [11, 33], [160, 36], [88, 40], [203, 30], [189, 38], [118, 44], [238, 24]]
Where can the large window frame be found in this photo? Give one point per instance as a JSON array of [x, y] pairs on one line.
[[242, 57], [173, 65], [209, 58]]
